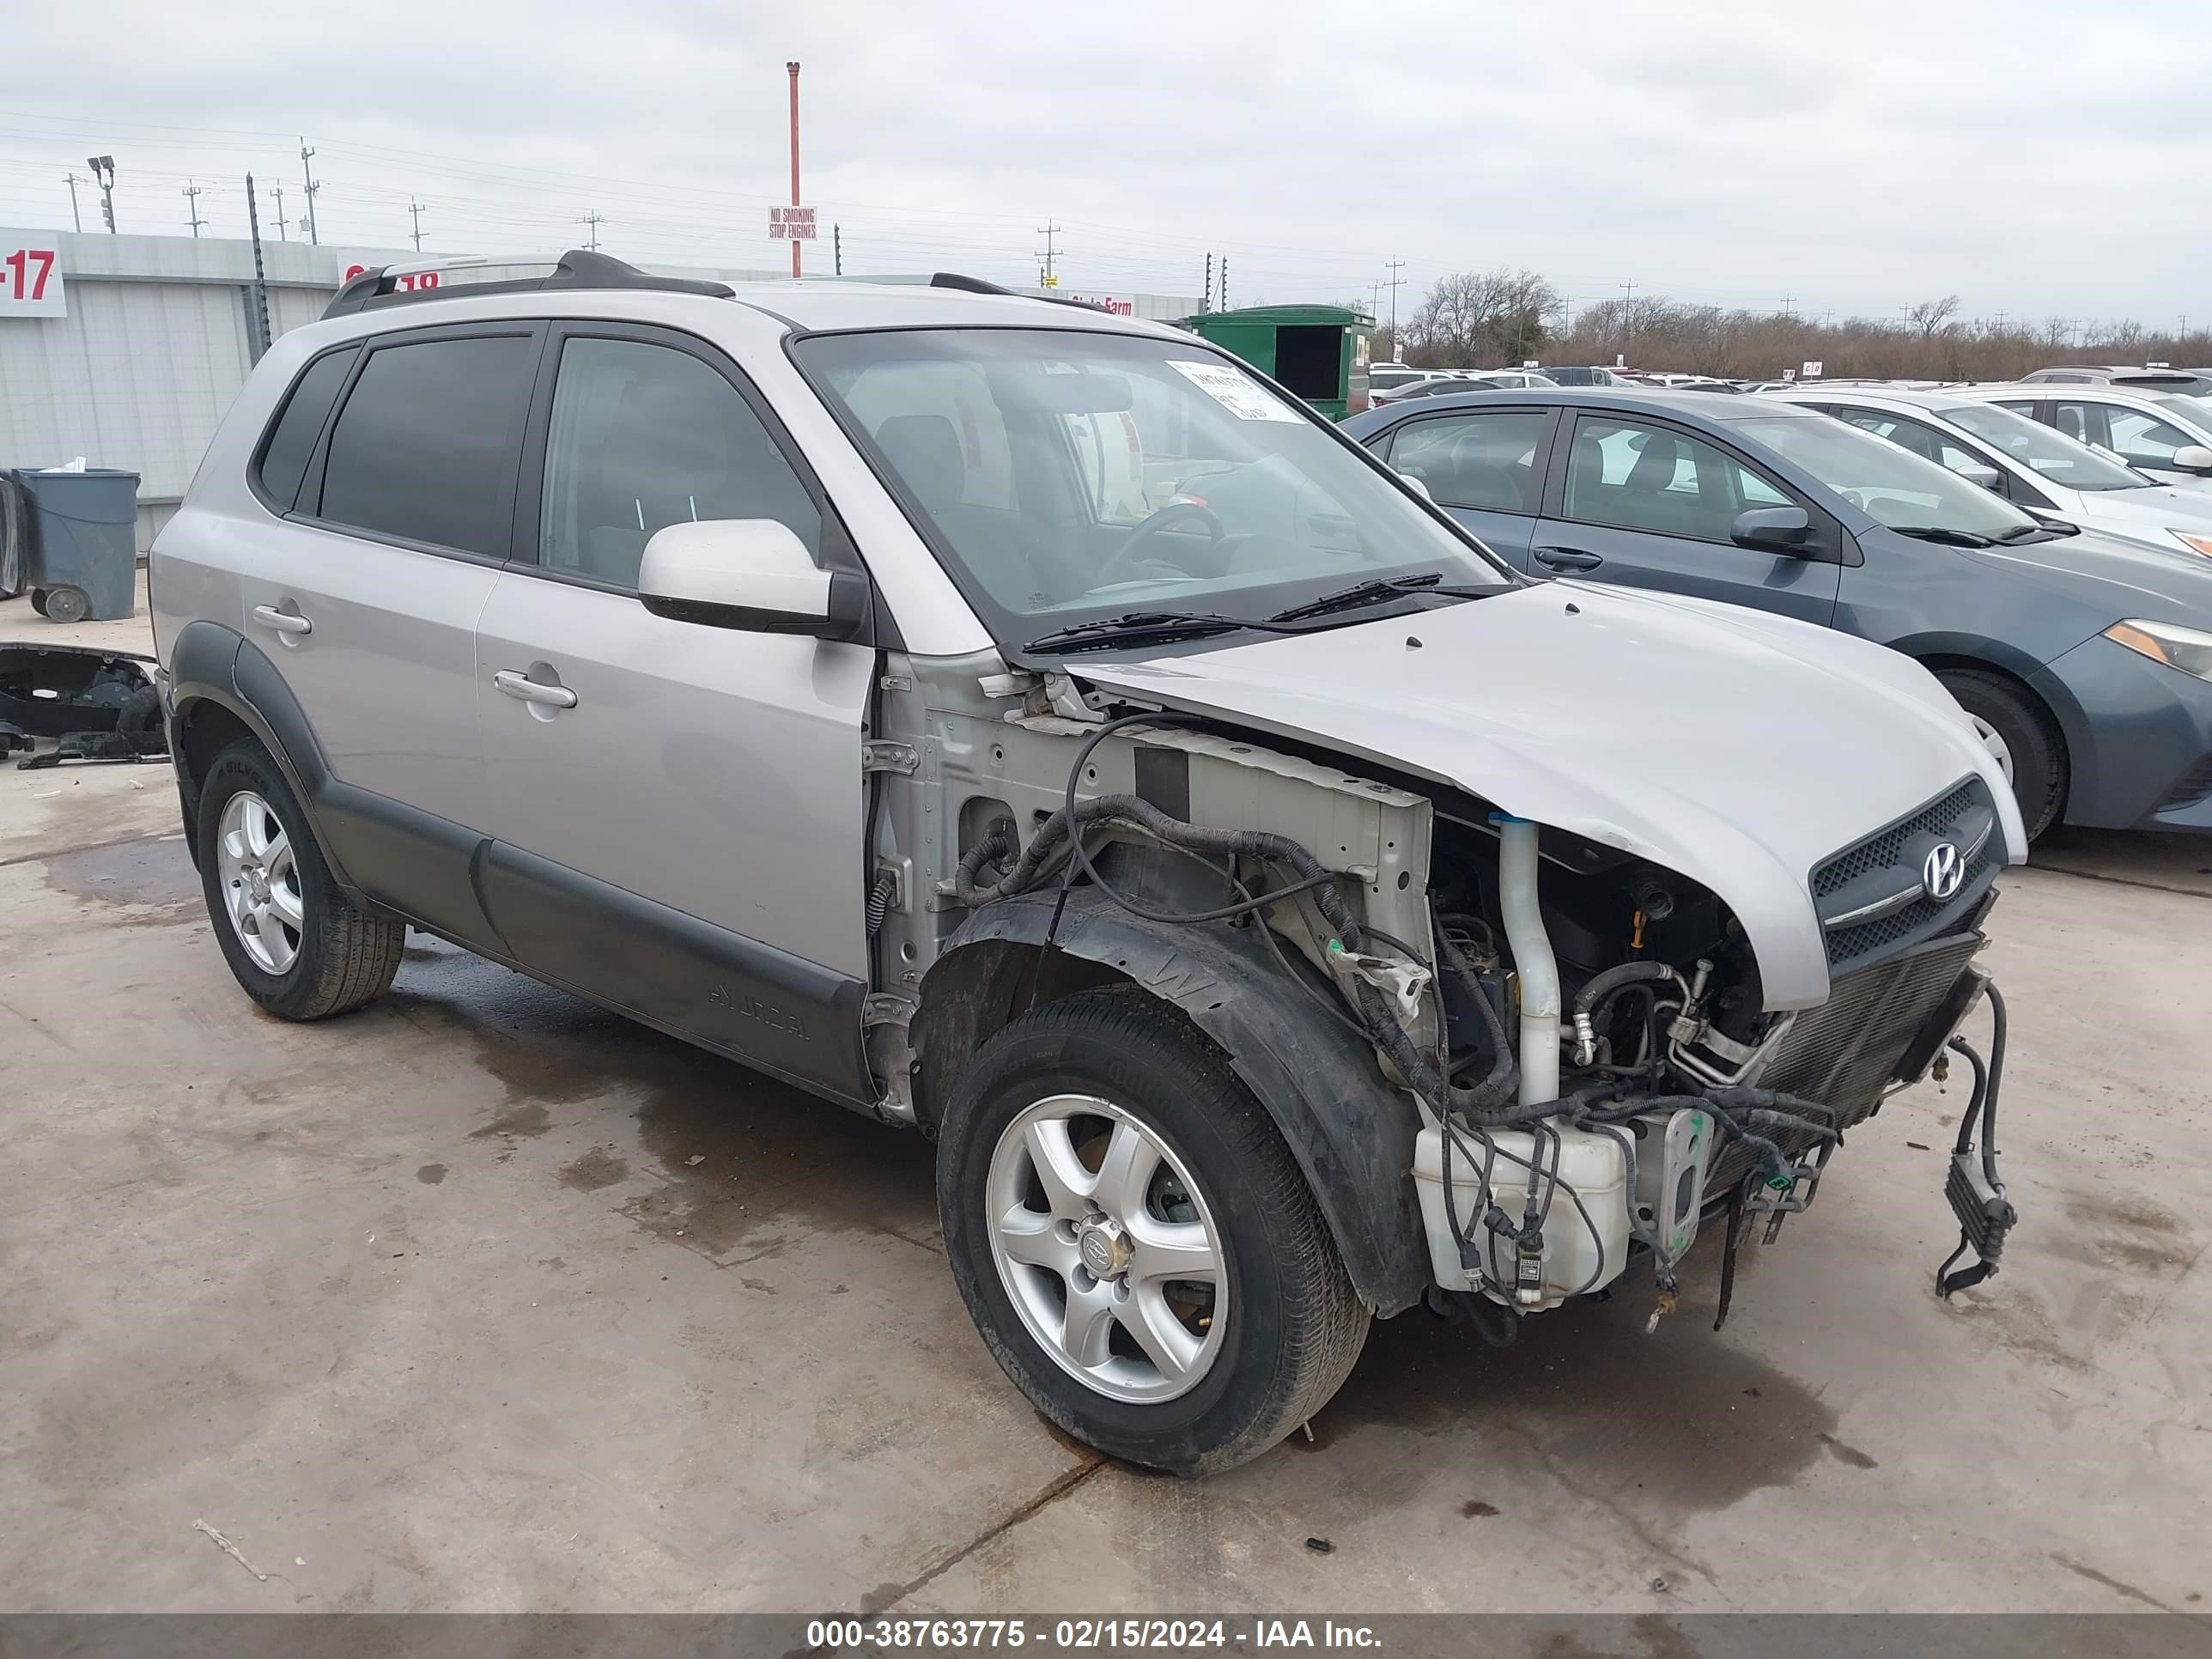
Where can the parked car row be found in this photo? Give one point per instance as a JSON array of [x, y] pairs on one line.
[[2083, 657]]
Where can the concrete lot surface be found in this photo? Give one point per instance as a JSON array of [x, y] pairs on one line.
[[483, 1299]]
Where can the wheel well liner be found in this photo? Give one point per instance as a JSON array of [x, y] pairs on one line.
[[1351, 1133]]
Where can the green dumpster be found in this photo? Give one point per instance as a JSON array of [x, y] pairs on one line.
[[1317, 352]]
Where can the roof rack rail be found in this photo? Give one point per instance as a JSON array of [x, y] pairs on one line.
[[977, 285], [579, 267]]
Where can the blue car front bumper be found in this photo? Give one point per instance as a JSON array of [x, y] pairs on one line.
[[2141, 749]]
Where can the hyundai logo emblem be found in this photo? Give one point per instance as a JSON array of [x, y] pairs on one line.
[[1942, 872]]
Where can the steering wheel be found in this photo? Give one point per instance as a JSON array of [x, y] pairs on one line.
[[1141, 535]]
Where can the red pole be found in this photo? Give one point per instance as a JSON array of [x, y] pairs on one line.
[[793, 68]]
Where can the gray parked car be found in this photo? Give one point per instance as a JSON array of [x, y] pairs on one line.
[[2085, 659], [1032, 727]]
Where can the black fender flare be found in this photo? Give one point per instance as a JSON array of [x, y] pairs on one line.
[[209, 663], [1351, 1132]]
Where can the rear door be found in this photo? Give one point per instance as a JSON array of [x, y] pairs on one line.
[[366, 604], [1484, 466], [677, 808], [1642, 503]]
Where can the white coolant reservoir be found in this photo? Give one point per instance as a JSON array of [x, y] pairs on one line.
[[1577, 1256]]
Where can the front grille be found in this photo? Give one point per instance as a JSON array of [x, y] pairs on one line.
[[2190, 787], [1843, 1053], [1890, 862]]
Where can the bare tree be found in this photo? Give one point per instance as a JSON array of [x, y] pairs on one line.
[[1933, 317], [1473, 318]]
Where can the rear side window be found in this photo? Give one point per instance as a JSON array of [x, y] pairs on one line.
[[292, 439], [426, 445], [1482, 460]]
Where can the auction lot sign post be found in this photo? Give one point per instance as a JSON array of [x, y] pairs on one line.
[[1654, 1635]]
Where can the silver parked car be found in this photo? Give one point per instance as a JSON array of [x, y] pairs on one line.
[[1031, 725], [2168, 435], [2034, 465]]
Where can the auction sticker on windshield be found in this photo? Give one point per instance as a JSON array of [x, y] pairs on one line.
[[1234, 391]]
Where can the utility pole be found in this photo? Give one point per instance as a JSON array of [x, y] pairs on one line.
[[1224, 282], [793, 67], [260, 277], [1627, 318], [1205, 303], [191, 193], [593, 220], [71, 180], [309, 173], [1394, 266], [103, 174], [836, 249], [414, 213], [1790, 308], [1048, 277], [283, 233]]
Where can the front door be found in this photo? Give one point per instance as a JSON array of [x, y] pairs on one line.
[[1650, 505], [677, 808], [1484, 466], [365, 601]]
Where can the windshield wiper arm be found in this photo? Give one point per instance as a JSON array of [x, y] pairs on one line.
[[2041, 527], [1375, 592], [1158, 626], [1936, 532]]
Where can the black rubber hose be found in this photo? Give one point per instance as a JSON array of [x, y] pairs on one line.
[[879, 902], [1628, 973]]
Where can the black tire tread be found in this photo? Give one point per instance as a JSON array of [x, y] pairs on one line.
[[1995, 690], [1323, 1340], [347, 957]]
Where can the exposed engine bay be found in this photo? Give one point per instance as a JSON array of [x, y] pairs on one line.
[[1582, 1033]]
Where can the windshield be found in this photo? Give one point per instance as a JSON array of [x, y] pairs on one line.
[[2043, 449], [1891, 485], [1071, 475]]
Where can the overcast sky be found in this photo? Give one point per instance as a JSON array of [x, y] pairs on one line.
[[2035, 158]]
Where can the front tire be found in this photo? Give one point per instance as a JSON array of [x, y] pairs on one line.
[[2028, 743], [1134, 1241], [294, 942]]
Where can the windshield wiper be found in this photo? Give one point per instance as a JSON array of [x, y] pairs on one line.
[[2039, 529], [1375, 592], [1157, 627], [1936, 532]]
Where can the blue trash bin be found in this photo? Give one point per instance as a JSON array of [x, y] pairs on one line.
[[83, 541]]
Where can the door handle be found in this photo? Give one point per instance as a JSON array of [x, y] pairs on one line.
[[523, 688], [284, 621], [1567, 558]]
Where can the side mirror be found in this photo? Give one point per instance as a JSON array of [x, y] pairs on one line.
[[1418, 486], [748, 574], [1988, 477], [1773, 529], [2193, 458]]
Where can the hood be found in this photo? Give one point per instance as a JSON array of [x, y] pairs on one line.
[[2146, 511], [1739, 749], [2158, 578]]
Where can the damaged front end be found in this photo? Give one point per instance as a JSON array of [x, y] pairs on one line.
[[95, 704], [1582, 1032]]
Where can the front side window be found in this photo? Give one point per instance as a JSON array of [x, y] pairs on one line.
[[643, 436], [292, 439], [1079, 474], [2042, 449], [425, 447], [2144, 438], [1486, 459], [1891, 485], [1640, 477], [1922, 440]]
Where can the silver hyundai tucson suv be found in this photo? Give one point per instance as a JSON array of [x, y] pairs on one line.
[[1031, 725]]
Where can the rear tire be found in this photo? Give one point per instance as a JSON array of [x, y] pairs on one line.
[[272, 897], [1289, 1324], [39, 600], [2029, 734]]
